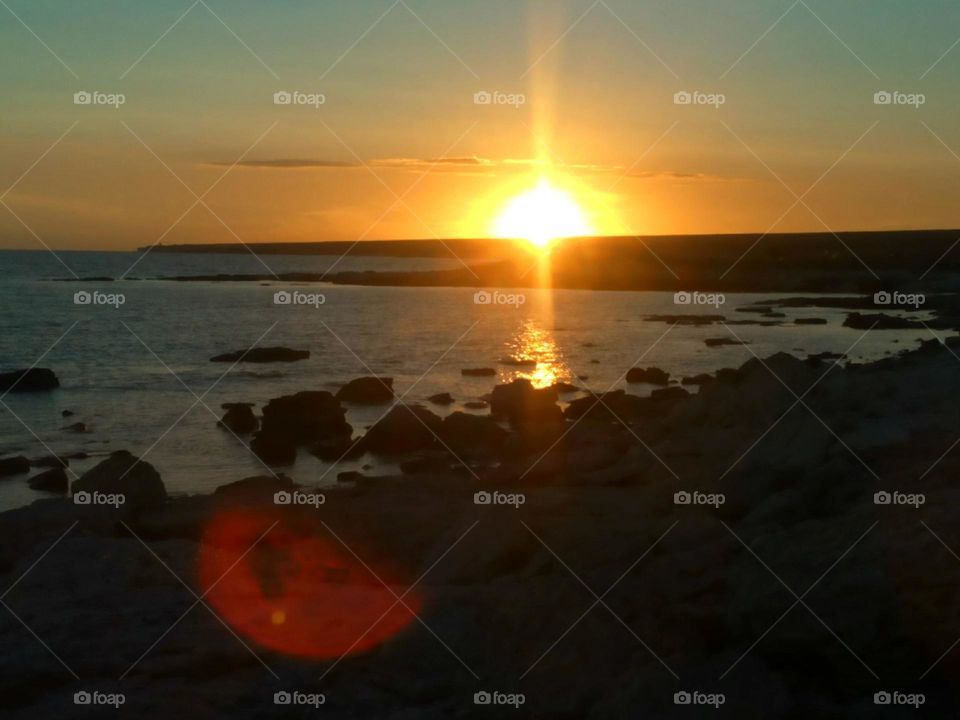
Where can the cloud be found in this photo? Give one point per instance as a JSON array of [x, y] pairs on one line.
[[286, 164]]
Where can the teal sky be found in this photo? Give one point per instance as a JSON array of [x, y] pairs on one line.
[[799, 94]]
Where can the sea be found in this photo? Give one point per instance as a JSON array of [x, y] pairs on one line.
[[133, 353]]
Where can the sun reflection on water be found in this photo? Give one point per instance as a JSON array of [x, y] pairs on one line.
[[535, 355]]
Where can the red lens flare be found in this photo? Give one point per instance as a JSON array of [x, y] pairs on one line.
[[296, 594]]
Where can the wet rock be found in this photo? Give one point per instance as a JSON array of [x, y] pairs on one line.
[[469, 434], [137, 480], [880, 321], [477, 404], [263, 355], [14, 466], [653, 376], [77, 427], [565, 388], [478, 372], [29, 380], [66, 413], [441, 399], [701, 379], [304, 418], [695, 320], [367, 391], [518, 362], [722, 342], [520, 403], [810, 321], [54, 480], [239, 418], [274, 448], [406, 428]]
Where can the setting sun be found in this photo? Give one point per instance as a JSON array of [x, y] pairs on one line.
[[542, 215]]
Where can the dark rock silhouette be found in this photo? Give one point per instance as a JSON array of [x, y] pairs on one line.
[[406, 428], [367, 391], [54, 480], [29, 380], [652, 376], [441, 399], [14, 466], [136, 479], [478, 372], [239, 418], [263, 355]]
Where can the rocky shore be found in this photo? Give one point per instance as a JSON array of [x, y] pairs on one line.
[[785, 538]]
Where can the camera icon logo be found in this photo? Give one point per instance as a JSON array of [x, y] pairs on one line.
[[882, 298], [282, 97], [482, 98], [682, 498], [882, 97], [82, 297], [882, 498], [682, 698], [82, 498], [682, 298], [482, 297], [682, 98], [82, 98], [882, 698], [482, 498], [482, 698], [82, 698], [282, 297], [282, 497], [282, 697]]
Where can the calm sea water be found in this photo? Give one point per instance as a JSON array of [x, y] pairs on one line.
[[133, 373]]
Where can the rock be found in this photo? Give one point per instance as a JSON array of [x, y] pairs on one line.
[[14, 466], [518, 362], [695, 320], [350, 476], [305, 417], [263, 355], [77, 427], [701, 379], [669, 394], [274, 448], [336, 448], [720, 342], [431, 462], [54, 480], [653, 376], [239, 418], [28, 380], [565, 388], [520, 403], [367, 391], [66, 413], [441, 399], [137, 480], [50, 461], [810, 321], [469, 434], [478, 372], [259, 487], [615, 405], [477, 404], [880, 321], [406, 428]]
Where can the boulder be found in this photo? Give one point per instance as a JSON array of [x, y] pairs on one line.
[[239, 418], [520, 403], [255, 488], [29, 380], [406, 428], [721, 342], [54, 480], [336, 448], [274, 448], [653, 376], [49, 461], [367, 391], [77, 427], [14, 466], [441, 399], [137, 480], [478, 372], [606, 407], [701, 379], [305, 417], [263, 355], [565, 388], [477, 404], [469, 434]]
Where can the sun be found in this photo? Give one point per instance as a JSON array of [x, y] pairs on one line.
[[542, 215]]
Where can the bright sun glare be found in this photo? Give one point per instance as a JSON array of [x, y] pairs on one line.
[[542, 215]]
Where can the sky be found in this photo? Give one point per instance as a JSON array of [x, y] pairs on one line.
[[784, 132]]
